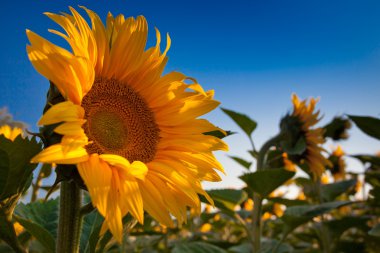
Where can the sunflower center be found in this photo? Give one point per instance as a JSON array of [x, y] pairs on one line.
[[119, 121]]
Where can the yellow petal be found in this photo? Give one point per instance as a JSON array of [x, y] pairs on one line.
[[96, 175], [70, 128], [113, 214], [116, 160], [153, 202], [73, 142], [55, 154], [131, 197], [136, 169], [62, 112]]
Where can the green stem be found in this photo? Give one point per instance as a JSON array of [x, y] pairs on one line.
[[324, 233], [245, 226], [257, 199], [36, 186], [70, 220]]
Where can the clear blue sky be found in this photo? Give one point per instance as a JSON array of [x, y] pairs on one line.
[[253, 53]]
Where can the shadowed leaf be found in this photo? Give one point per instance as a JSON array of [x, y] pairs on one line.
[[331, 191], [241, 161], [297, 215], [266, 181], [368, 125], [375, 231], [244, 122], [226, 199], [197, 247]]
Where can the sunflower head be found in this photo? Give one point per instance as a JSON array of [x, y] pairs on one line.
[[133, 133], [338, 167], [302, 141], [10, 132]]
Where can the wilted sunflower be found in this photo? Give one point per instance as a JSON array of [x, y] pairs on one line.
[[10, 132], [133, 132], [299, 126]]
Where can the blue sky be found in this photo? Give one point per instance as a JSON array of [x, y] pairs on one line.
[[255, 54]]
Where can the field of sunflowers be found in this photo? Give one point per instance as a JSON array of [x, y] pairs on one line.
[[128, 149]]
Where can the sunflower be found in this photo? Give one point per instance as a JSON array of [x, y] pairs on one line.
[[289, 165], [133, 133], [338, 164], [301, 122], [9, 132]]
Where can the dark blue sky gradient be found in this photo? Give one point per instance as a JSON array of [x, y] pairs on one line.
[[253, 53]]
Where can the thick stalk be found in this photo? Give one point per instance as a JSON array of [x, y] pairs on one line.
[[257, 199], [70, 219]]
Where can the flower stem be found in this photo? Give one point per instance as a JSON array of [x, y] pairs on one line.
[[70, 221], [257, 199]]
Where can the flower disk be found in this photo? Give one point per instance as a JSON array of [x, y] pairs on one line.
[[119, 122], [134, 133]]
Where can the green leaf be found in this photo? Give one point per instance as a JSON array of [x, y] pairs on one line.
[[46, 170], [197, 247], [39, 232], [375, 231], [7, 232], [241, 161], [241, 248], [337, 129], [4, 169], [297, 149], [42, 213], [266, 181], [128, 222], [226, 199], [90, 236], [368, 125], [269, 245], [288, 202], [219, 134], [331, 191], [244, 122], [16, 169], [297, 215], [338, 226], [373, 160]]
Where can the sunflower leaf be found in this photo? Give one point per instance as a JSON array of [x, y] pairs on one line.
[[330, 191], [337, 129], [266, 181], [128, 221], [197, 247], [297, 215], [226, 199], [244, 122], [338, 226], [241, 161], [15, 167], [219, 134], [373, 160], [369, 125], [42, 213], [375, 231], [288, 202], [92, 224], [8, 233], [39, 232]]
